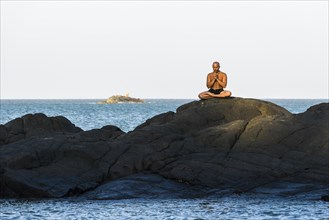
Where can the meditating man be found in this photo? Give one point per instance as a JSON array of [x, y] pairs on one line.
[[216, 82]]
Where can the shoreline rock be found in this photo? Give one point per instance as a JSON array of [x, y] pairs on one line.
[[228, 145]]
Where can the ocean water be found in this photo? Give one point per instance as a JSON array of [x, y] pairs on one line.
[[86, 114], [230, 207]]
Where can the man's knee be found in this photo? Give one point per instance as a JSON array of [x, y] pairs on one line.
[[203, 95]]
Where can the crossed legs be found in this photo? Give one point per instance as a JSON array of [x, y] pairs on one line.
[[209, 95]]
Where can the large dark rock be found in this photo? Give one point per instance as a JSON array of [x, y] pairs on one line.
[[241, 145], [148, 185], [54, 160], [35, 125]]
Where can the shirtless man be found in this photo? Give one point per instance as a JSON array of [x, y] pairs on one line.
[[216, 82]]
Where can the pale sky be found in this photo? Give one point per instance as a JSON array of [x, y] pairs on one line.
[[159, 49]]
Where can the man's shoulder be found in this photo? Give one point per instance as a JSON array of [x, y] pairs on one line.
[[223, 73]]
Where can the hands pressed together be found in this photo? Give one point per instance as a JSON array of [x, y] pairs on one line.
[[216, 78]]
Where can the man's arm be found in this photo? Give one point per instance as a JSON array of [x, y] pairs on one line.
[[222, 83], [210, 82]]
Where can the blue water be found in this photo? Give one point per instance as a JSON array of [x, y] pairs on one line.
[[88, 115], [230, 207]]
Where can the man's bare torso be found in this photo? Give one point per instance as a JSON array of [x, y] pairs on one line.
[[220, 75]]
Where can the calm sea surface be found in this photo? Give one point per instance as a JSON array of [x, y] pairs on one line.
[[86, 114]]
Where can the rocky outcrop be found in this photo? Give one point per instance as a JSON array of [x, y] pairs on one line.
[[120, 99], [35, 125], [230, 145]]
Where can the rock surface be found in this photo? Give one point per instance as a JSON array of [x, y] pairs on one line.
[[35, 125], [120, 99], [226, 145], [148, 186]]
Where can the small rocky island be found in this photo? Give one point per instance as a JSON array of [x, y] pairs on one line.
[[121, 99], [206, 148]]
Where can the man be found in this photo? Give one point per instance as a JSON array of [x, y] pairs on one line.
[[216, 82]]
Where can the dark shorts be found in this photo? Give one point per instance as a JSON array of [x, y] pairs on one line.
[[216, 91]]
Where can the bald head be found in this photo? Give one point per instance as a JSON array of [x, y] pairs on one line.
[[215, 66], [216, 62]]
